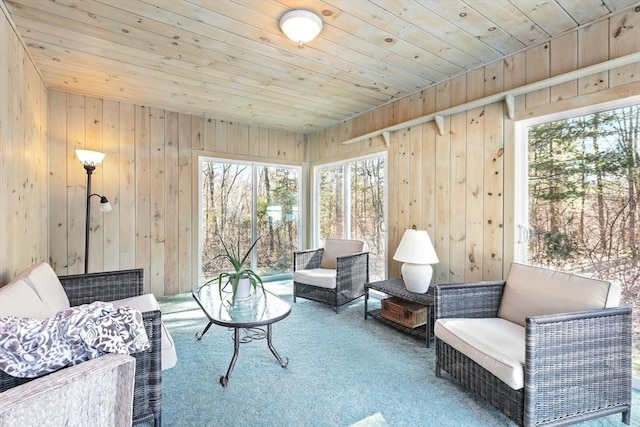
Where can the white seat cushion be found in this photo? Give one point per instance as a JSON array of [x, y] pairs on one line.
[[45, 282], [321, 277], [148, 302], [19, 299], [495, 344]]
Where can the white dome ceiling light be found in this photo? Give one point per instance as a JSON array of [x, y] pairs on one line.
[[301, 26]]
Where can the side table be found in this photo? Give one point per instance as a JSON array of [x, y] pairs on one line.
[[396, 288]]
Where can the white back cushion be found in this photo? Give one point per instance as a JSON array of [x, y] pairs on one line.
[[535, 291], [333, 248], [19, 299], [45, 282]]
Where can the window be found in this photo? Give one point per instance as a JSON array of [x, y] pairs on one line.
[[580, 181], [350, 203], [241, 201]]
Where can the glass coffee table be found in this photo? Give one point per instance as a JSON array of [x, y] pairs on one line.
[[260, 310]]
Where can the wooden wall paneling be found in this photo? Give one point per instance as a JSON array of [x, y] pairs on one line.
[[458, 199], [58, 181], [429, 100], [593, 47], [404, 109], [172, 200], [428, 163], [624, 39], [111, 184], [442, 227], [93, 141], [157, 204], [76, 180], [537, 68], [254, 141], [209, 135], [493, 222], [515, 75], [563, 59], [243, 139], [474, 197], [475, 84], [21, 170], [127, 178], [341, 133], [143, 194], [494, 78], [197, 132], [458, 193], [300, 148], [418, 183], [509, 195], [186, 188], [274, 135], [5, 40], [232, 134], [393, 204], [263, 145], [221, 135]]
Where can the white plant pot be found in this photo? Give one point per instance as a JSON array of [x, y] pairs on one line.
[[244, 289]]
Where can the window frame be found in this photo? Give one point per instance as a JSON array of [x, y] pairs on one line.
[[254, 200], [315, 197]]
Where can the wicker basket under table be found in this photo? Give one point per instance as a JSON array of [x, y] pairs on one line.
[[396, 288]]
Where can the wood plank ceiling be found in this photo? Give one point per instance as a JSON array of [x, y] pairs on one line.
[[229, 60]]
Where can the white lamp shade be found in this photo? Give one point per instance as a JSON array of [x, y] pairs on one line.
[[90, 158], [301, 26], [416, 248], [105, 207]]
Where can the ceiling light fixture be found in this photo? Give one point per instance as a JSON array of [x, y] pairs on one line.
[[301, 26]]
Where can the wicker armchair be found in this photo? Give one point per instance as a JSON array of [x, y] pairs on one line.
[[314, 281], [111, 286], [577, 365]]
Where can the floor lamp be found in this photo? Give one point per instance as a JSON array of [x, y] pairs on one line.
[[91, 159]]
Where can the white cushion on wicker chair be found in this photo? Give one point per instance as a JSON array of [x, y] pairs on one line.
[[495, 344], [536, 291], [148, 302], [19, 299], [321, 277], [333, 248], [45, 282]]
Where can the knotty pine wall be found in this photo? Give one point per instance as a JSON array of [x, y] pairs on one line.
[[460, 186], [23, 159], [150, 176]]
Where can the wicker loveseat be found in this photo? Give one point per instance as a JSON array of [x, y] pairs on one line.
[[333, 275], [544, 347], [24, 297]]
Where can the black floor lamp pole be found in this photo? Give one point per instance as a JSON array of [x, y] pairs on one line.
[[89, 169]]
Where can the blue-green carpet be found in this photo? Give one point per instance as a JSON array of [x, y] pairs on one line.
[[343, 371]]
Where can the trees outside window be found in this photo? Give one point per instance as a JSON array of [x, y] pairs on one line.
[[243, 201], [350, 204], [583, 180]]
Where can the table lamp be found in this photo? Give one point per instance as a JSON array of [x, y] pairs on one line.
[[417, 253]]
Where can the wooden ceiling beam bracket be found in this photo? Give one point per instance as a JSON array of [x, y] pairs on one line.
[[510, 100], [440, 123], [386, 135], [508, 96]]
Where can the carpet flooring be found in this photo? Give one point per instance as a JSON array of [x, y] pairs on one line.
[[343, 371]]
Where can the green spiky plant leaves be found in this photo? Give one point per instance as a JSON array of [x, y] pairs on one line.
[[232, 278]]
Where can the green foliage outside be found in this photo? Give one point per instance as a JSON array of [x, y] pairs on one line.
[[584, 186]]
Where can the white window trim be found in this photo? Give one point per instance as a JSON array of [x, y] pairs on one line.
[[254, 198]]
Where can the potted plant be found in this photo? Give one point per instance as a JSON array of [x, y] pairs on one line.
[[241, 279]]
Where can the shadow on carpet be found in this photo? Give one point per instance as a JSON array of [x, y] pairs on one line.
[[343, 371]]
